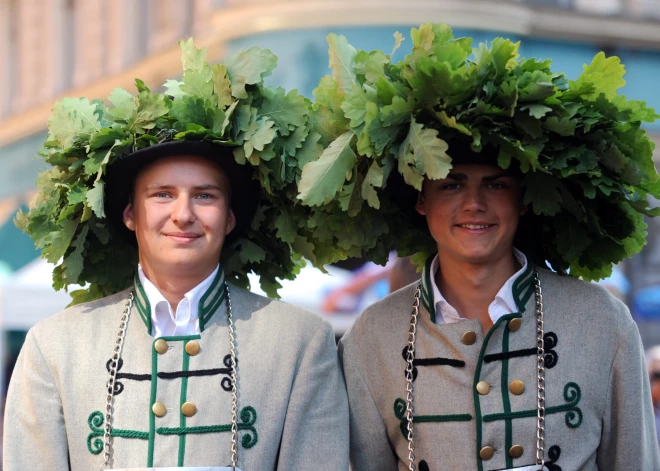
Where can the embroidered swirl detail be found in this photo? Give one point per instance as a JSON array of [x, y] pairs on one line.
[[550, 342], [553, 454], [226, 381], [400, 413], [95, 421], [248, 418], [572, 394]]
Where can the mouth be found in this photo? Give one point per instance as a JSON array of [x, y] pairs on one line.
[[183, 237], [474, 227]]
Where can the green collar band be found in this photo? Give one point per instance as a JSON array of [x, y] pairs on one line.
[[208, 303], [523, 287]]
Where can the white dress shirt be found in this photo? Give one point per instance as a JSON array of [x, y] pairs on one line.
[[502, 305], [186, 321]]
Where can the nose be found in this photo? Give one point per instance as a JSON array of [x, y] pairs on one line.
[[474, 198], [182, 211]]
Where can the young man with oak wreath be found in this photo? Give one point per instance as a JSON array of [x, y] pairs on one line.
[[174, 367], [511, 182]]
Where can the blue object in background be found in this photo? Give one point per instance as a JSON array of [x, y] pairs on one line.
[[646, 303]]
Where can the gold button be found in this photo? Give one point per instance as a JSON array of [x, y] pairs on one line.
[[514, 324], [483, 388], [160, 346], [469, 337], [192, 348], [188, 409], [486, 452], [517, 387], [159, 409], [516, 451]]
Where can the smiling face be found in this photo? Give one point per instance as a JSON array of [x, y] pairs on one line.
[[473, 213], [180, 213]]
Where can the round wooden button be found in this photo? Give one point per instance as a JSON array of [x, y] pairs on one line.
[[469, 337], [486, 453], [188, 409], [516, 451], [160, 346], [517, 387], [159, 409], [514, 324], [483, 388], [192, 348]]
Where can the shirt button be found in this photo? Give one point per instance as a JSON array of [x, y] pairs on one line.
[[159, 409], [514, 324], [516, 451], [188, 409], [486, 453], [517, 387], [469, 337], [483, 388], [160, 346], [192, 348]]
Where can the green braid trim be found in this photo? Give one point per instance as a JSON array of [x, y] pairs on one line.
[[506, 403], [248, 418], [523, 287], [573, 418], [400, 413], [95, 422]]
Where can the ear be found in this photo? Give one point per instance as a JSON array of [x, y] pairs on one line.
[[231, 221], [128, 216], [419, 206], [524, 209]]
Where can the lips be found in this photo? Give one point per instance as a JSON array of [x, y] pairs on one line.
[[184, 237]]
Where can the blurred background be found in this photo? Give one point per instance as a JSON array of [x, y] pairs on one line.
[[55, 48]]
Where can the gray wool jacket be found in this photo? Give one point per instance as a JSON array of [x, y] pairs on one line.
[[598, 402], [292, 406]]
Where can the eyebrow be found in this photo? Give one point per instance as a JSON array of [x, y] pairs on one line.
[[159, 186], [488, 178]]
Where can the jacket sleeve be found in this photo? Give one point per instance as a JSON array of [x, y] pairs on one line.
[[370, 446], [629, 439], [315, 434], [34, 432]]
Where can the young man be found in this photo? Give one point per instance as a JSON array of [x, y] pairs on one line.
[[182, 369], [491, 361]]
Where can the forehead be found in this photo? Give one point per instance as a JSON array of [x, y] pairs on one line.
[[478, 172], [182, 170]]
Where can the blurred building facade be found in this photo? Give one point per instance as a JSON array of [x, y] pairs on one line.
[[55, 48]]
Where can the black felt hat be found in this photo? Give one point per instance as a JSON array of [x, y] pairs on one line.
[[121, 177]]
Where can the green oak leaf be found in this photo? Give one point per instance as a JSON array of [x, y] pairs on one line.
[[73, 118], [248, 68], [428, 152], [287, 111], [542, 192], [323, 178], [604, 74], [94, 198], [342, 59]]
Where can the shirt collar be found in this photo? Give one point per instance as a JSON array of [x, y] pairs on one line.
[[204, 299], [511, 297]]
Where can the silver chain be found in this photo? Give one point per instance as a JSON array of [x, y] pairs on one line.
[[234, 393], [540, 354], [410, 358], [110, 385], [540, 375], [114, 362]]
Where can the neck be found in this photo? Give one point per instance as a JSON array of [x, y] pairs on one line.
[[470, 288], [174, 287]]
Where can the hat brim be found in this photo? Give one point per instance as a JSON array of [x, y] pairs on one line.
[[121, 176]]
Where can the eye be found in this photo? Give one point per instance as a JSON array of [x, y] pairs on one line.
[[451, 186], [498, 186], [205, 196], [162, 194]]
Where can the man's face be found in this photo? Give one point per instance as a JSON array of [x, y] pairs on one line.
[[654, 373], [180, 214], [473, 213]]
